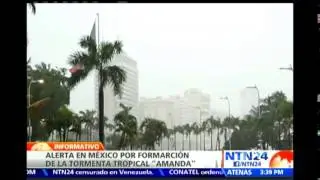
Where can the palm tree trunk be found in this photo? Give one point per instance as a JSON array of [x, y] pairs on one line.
[[67, 135], [200, 142], [52, 135], [279, 135], [60, 135], [217, 141], [204, 140], [168, 143], [64, 135], [90, 133], [101, 112], [189, 142], [175, 141], [289, 138], [211, 136], [161, 142], [225, 136], [122, 138], [196, 141], [182, 141]]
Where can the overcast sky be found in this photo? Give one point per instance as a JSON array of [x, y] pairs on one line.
[[218, 48]]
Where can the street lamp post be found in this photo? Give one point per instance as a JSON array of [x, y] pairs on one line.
[[259, 110], [290, 68], [40, 81], [258, 92], [229, 116]]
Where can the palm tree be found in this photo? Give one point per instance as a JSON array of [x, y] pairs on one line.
[[187, 129], [33, 7], [77, 126], [204, 127], [180, 130], [218, 125], [127, 124], [169, 134], [211, 123], [175, 132], [152, 131], [229, 125], [63, 120], [89, 118], [286, 113], [99, 59], [196, 131]]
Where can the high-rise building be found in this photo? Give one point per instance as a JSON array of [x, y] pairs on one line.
[[177, 110], [130, 89], [187, 109], [158, 108], [199, 100]]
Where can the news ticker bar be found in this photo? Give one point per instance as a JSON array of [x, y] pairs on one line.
[[163, 172]]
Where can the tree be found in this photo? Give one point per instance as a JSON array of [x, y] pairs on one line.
[[204, 128], [47, 98], [212, 125], [228, 126], [63, 120], [33, 7], [196, 131], [286, 115], [99, 59], [218, 125], [180, 130], [246, 137], [175, 132], [152, 131], [89, 118], [273, 128], [77, 126], [169, 134], [127, 124], [276, 110], [187, 130]]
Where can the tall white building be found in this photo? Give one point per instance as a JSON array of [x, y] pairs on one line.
[[177, 110], [130, 89], [186, 109], [199, 100], [159, 108]]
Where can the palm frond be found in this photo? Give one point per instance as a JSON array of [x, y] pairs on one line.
[[108, 50], [88, 43], [115, 76], [117, 45], [79, 58], [33, 7], [40, 103]]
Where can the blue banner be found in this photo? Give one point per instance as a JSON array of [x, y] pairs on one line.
[[164, 172]]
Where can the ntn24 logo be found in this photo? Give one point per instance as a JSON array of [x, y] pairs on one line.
[[246, 156], [275, 159]]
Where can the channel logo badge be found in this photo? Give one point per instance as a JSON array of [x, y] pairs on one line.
[[258, 159], [282, 159]]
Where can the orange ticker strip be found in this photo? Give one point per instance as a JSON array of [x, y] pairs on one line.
[[64, 146]]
